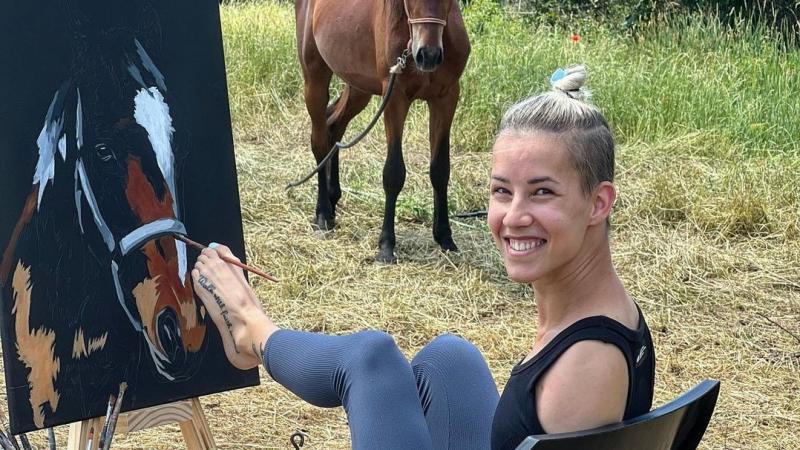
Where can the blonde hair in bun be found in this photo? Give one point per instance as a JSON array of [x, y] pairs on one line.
[[570, 81], [566, 110]]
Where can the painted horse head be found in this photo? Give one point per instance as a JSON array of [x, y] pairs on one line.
[[113, 123], [427, 19]]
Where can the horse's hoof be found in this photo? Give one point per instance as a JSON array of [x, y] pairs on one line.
[[322, 234], [386, 257], [448, 245], [324, 225]]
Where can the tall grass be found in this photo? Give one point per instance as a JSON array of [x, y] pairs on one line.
[[738, 88], [261, 62]]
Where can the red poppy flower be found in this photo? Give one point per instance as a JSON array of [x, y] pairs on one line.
[[575, 38]]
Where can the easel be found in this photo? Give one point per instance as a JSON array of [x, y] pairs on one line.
[[187, 413]]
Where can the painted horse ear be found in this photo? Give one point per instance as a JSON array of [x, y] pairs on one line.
[[142, 69], [51, 139]]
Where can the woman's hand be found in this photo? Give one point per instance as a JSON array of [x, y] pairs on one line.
[[233, 306]]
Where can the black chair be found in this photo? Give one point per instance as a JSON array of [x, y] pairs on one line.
[[678, 425]]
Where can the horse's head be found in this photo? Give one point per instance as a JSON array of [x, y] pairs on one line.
[[427, 19], [125, 197]]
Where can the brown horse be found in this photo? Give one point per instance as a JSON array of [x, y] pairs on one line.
[[359, 42]]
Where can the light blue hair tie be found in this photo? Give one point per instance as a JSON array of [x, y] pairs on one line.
[[557, 75]]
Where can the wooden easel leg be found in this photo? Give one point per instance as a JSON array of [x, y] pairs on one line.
[[79, 434], [188, 413], [195, 431]]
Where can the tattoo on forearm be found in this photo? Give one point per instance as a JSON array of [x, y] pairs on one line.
[[208, 286]]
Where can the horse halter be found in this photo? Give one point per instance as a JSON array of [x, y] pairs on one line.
[[433, 20]]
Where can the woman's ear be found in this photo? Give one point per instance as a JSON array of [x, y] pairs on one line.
[[603, 198]]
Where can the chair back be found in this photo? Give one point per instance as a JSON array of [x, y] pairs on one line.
[[678, 425]]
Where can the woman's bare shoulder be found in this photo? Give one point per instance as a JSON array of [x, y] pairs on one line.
[[585, 388]]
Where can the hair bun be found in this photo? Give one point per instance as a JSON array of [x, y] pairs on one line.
[[570, 81]]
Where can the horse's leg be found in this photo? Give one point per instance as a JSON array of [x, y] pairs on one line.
[[316, 79], [394, 172], [442, 110], [348, 105], [316, 97]]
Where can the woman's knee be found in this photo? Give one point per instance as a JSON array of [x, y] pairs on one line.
[[374, 351], [449, 350]]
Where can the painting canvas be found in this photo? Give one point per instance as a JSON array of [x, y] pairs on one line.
[[114, 134]]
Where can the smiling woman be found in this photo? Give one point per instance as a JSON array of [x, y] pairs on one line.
[[592, 363], [551, 196]]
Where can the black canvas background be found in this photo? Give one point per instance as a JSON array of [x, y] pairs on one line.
[[34, 60]]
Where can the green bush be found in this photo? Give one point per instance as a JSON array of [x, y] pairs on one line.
[[780, 16]]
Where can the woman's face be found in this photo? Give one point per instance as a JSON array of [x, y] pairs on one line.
[[538, 213]]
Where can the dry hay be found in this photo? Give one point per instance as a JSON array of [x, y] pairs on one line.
[[719, 285]]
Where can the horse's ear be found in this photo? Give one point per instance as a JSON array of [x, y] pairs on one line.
[[147, 42]]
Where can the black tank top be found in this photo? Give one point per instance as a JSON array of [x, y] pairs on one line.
[[515, 417]]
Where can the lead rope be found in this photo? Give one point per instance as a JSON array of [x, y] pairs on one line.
[[298, 439], [393, 72]]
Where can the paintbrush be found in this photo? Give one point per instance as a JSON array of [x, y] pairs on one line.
[[5, 442], [13, 439], [114, 415], [111, 401], [7, 429], [91, 438], [25, 444], [227, 259], [51, 439]]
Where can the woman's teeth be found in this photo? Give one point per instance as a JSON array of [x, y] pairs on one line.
[[527, 244]]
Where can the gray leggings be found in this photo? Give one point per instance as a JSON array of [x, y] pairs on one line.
[[444, 399]]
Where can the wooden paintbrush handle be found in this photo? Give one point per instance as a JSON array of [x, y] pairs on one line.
[[227, 259], [248, 268]]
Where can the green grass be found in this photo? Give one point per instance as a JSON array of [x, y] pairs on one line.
[[737, 88], [261, 62], [689, 75]]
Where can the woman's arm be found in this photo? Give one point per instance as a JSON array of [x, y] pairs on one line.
[[585, 388]]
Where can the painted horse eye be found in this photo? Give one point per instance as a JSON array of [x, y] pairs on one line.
[[103, 152]]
